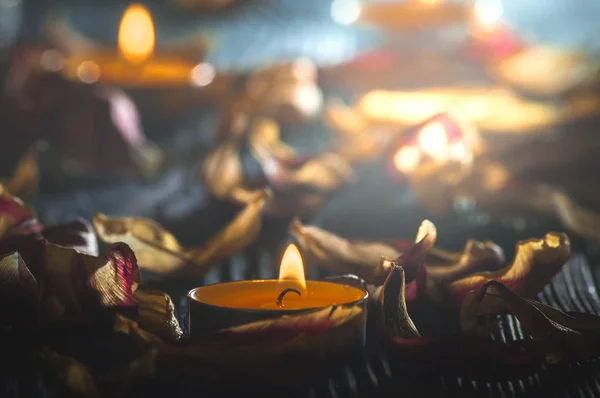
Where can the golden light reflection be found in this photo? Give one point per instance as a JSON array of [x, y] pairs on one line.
[[433, 140], [292, 267], [136, 34], [407, 158]]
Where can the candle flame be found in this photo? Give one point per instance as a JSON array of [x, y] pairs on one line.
[[433, 140], [136, 34], [406, 159], [292, 267]]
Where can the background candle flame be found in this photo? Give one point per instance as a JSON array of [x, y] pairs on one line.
[[292, 267], [136, 34]]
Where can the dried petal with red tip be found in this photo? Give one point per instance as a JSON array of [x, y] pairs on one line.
[[535, 263], [83, 285], [466, 354], [15, 214], [556, 335]]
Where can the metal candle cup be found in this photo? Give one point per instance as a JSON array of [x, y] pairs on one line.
[[224, 305]]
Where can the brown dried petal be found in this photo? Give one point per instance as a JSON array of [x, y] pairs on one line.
[[334, 252], [25, 179], [221, 171], [323, 173], [74, 376], [392, 303], [159, 251], [476, 256], [78, 235], [156, 313], [83, 284], [536, 261], [552, 338], [19, 291], [13, 212], [265, 134]]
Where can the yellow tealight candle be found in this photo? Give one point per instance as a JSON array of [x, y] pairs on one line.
[[222, 305]]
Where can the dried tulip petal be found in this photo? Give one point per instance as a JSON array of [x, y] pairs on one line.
[[84, 284], [221, 171], [392, 303], [24, 181], [322, 173], [13, 212], [555, 340], [464, 354], [158, 250], [19, 291], [74, 376], [536, 261], [265, 133], [476, 256], [78, 235], [156, 313], [334, 252]]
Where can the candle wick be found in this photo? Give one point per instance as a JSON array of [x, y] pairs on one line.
[[283, 293]]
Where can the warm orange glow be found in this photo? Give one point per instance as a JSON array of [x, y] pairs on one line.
[[407, 158], [292, 267], [433, 140], [136, 34]]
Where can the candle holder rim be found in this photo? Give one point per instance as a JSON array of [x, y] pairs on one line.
[[281, 310]]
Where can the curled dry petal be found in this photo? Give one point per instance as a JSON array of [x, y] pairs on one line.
[[265, 134], [555, 334], [74, 376], [369, 260], [221, 171], [156, 313], [78, 235], [19, 291], [341, 255], [25, 179], [574, 217], [82, 284], [536, 261], [13, 212], [476, 256], [392, 304], [465, 354], [263, 347], [158, 250]]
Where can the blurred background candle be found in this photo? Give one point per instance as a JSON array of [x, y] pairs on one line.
[[136, 63]]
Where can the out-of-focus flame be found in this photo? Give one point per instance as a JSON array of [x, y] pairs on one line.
[[406, 159], [488, 14], [345, 12], [136, 34], [433, 140], [292, 267]]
